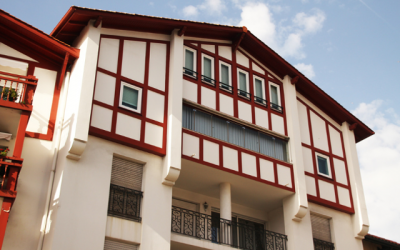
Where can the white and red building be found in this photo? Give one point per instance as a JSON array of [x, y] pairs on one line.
[[153, 133]]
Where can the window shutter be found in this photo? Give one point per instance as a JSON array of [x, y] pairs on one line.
[[127, 174], [321, 228], [116, 245]]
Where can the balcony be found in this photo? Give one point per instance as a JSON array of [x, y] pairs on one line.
[[323, 245], [124, 203], [9, 171], [225, 232]]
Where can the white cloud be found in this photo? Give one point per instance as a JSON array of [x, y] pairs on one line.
[[286, 40], [306, 69], [379, 158], [190, 11]]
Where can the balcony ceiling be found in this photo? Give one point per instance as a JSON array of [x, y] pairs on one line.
[[10, 120], [205, 180]]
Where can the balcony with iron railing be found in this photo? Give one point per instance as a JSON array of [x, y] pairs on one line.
[[225, 232], [323, 245], [124, 203]]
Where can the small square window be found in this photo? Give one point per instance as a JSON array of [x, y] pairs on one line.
[[189, 67], [243, 84], [259, 91], [130, 97], [275, 97], [323, 166], [225, 77], [207, 68]]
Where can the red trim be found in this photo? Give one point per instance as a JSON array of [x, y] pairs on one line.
[[316, 176], [240, 151], [5, 212], [112, 136]]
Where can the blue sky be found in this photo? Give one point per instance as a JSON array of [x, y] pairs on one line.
[[349, 48]]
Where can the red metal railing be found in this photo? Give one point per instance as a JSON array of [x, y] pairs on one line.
[[9, 171], [17, 88]]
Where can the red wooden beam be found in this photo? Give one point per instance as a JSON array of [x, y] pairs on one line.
[[64, 67], [235, 44], [182, 31], [98, 21], [353, 126], [295, 80]]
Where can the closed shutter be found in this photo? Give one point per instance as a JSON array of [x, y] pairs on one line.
[[321, 228], [116, 245], [127, 174]]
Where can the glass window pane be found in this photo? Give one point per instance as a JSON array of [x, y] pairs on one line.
[[189, 59], [224, 74], [323, 165], [267, 145], [259, 92], [281, 150], [220, 128], [188, 118], [236, 135], [130, 97], [203, 123], [207, 67], [242, 82], [274, 95], [251, 139]]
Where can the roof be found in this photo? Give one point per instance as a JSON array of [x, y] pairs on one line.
[[17, 32], [382, 241], [77, 18]]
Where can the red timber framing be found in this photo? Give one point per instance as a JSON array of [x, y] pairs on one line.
[[267, 77], [112, 136], [50, 54], [317, 199], [240, 150]]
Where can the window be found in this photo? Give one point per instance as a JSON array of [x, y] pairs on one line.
[[125, 189], [321, 230], [243, 80], [189, 68], [274, 95], [234, 133], [207, 70], [323, 165], [130, 97], [225, 77], [259, 91], [110, 244]]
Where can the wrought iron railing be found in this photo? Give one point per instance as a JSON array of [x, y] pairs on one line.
[[260, 100], [221, 231], [225, 87], [323, 245], [190, 72], [277, 107], [124, 203], [17, 88], [244, 94], [208, 80]]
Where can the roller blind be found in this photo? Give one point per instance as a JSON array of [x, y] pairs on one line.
[[116, 245], [127, 174], [321, 228]]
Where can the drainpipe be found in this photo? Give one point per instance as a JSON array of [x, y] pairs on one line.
[[55, 156]]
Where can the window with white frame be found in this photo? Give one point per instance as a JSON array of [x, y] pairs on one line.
[[275, 96], [243, 84], [130, 97], [259, 91], [207, 69], [225, 76], [190, 62], [323, 166]]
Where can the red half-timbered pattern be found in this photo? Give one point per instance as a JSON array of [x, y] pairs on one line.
[[235, 66], [115, 108], [277, 179], [317, 177]]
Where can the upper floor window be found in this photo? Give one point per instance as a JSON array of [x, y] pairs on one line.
[[207, 69], [225, 76], [321, 230], [274, 95], [243, 84], [190, 62], [130, 97], [323, 166], [259, 91]]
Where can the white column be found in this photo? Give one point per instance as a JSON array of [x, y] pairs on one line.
[[360, 218], [172, 159], [295, 207], [225, 201]]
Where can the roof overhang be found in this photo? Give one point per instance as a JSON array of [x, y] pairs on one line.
[[77, 18], [17, 32]]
